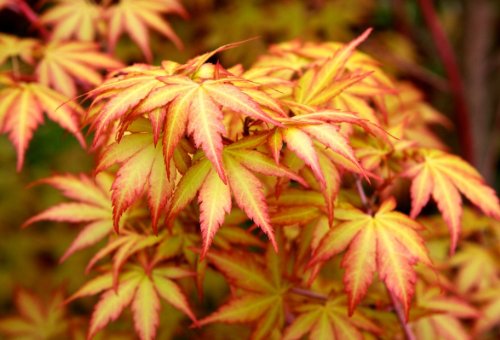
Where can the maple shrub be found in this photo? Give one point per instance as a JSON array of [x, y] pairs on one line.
[[290, 179]]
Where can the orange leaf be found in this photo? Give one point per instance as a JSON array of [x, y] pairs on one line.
[[444, 176], [73, 18], [63, 63], [135, 16], [386, 242]]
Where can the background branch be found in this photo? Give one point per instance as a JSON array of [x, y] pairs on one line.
[[26, 10], [448, 59], [479, 31]]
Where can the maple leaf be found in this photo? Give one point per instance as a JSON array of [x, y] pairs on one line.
[[215, 196], [124, 246], [445, 176], [199, 107], [324, 127], [319, 126], [313, 90], [142, 169], [446, 312], [135, 85], [37, 319], [140, 290], [432, 298], [387, 242], [135, 16], [176, 104], [440, 326], [329, 321], [264, 287], [73, 18], [477, 268], [336, 76], [490, 309], [91, 206], [13, 46], [64, 63], [21, 111]]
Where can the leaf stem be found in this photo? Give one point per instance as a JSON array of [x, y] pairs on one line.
[[363, 197], [401, 317], [309, 293], [289, 316], [450, 64], [33, 18]]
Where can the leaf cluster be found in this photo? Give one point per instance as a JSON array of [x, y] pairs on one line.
[[286, 178]]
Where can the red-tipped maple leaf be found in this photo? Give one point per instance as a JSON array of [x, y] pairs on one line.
[[490, 309], [477, 268], [307, 135], [124, 246], [73, 18], [21, 111], [142, 169], [444, 176], [215, 196], [176, 105], [91, 206], [140, 290], [329, 321], [64, 63], [387, 243], [13, 47], [198, 105], [136, 16], [445, 314], [320, 126], [321, 84], [262, 302]]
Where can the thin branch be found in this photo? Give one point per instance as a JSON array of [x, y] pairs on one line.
[[309, 293], [401, 317], [478, 36], [447, 56], [289, 316], [33, 18], [363, 197]]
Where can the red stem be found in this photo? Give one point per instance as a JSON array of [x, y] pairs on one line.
[[401, 317], [363, 197], [447, 56], [309, 293], [32, 17]]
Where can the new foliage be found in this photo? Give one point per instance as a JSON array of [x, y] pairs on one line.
[[286, 178]]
